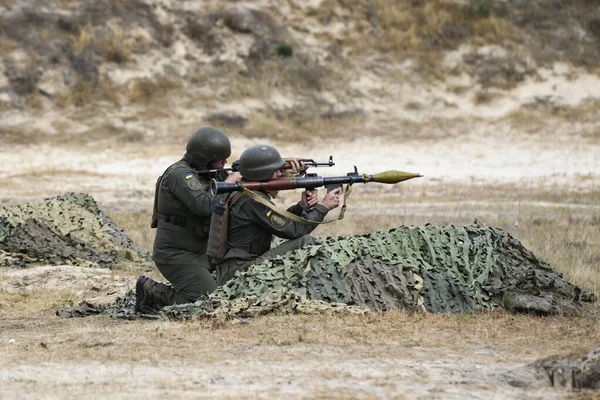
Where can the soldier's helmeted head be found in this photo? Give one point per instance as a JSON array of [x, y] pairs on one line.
[[207, 144], [258, 162]]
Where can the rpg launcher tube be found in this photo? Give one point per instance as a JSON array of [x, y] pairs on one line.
[[389, 177]]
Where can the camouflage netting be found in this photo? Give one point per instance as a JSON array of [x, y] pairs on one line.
[[215, 308], [67, 229], [440, 269]]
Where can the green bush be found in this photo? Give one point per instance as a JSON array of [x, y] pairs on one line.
[[284, 50], [481, 8]]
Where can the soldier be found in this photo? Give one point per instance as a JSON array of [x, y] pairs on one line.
[[182, 209], [252, 225]]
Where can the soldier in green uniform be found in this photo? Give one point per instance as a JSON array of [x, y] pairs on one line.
[[252, 225], [182, 210]]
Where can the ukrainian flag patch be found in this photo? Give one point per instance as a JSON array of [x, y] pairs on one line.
[[268, 212], [188, 176]]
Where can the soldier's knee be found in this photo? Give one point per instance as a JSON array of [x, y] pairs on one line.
[[306, 240]]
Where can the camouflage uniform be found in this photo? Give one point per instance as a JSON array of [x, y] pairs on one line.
[[251, 230]]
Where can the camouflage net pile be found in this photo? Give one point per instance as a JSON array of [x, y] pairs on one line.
[[67, 229], [439, 269], [218, 309]]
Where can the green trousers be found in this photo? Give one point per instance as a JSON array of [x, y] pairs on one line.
[[227, 269], [187, 283]]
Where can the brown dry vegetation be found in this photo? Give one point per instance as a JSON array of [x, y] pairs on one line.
[[305, 350]]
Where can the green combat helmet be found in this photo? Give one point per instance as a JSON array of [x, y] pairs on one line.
[[207, 144], [258, 162]]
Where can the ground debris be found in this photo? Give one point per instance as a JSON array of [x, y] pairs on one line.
[[576, 371], [81, 309]]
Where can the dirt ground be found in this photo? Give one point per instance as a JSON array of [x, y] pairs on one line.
[[396, 355]]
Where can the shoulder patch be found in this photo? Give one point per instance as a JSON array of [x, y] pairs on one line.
[[277, 220], [193, 183], [188, 176]]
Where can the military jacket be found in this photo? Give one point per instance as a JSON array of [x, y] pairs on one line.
[[184, 206], [252, 226]]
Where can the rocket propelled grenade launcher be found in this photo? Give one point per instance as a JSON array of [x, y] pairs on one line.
[[311, 182]]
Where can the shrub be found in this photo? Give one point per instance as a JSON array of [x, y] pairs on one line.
[[284, 50], [117, 47], [481, 8]]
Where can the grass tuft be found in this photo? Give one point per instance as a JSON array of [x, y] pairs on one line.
[[145, 90], [481, 8], [117, 47], [84, 38], [284, 50]]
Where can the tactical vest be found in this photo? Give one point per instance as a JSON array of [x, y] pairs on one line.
[[174, 219]]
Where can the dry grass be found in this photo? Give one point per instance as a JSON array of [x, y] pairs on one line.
[[412, 29], [44, 301], [84, 38], [67, 4], [145, 90], [580, 120], [137, 226], [86, 93], [117, 47], [322, 349], [80, 94], [300, 128], [7, 45], [525, 335]]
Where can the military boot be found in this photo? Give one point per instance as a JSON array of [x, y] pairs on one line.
[[144, 296]]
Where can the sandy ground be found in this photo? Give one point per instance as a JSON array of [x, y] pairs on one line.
[[46, 357], [117, 175], [267, 370]]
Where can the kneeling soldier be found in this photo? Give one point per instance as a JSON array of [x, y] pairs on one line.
[[182, 210]]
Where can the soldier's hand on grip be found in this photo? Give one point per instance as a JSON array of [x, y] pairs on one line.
[[296, 167], [332, 199], [310, 198]]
